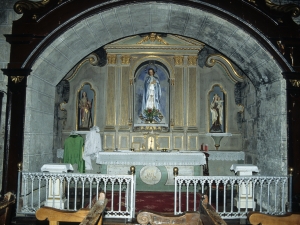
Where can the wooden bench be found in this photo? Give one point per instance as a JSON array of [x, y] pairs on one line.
[[206, 216], [85, 216], [256, 218], [5, 207]]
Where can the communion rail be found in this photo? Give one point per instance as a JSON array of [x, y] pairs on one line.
[[233, 196], [71, 191]]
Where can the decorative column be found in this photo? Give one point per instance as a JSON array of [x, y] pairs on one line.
[[14, 126]]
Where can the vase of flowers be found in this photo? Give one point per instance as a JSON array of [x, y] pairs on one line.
[[152, 113]]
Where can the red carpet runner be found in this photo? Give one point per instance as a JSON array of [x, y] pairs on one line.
[[156, 201]]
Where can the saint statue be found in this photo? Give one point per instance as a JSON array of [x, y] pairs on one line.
[[151, 97], [216, 109], [85, 111]]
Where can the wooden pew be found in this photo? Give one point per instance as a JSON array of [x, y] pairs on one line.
[[256, 218], [5, 207], [85, 216], [206, 216]]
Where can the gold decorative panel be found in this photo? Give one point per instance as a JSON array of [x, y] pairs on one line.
[[192, 92], [192, 60], [178, 60], [178, 100], [192, 142], [125, 59], [178, 142], [124, 142], [111, 59], [164, 142], [124, 104], [109, 142], [110, 97]]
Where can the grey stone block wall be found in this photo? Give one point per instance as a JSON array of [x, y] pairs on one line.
[[263, 125], [7, 16]]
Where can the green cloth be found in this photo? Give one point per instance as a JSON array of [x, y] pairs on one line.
[[73, 149]]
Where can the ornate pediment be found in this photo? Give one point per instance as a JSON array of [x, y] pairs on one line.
[[156, 43]]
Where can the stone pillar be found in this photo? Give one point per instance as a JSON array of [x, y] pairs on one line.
[[14, 126]]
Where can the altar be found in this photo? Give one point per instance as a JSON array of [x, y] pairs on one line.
[[152, 158], [154, 169]]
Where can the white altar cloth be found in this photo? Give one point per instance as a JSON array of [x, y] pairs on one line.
[[151, 158]]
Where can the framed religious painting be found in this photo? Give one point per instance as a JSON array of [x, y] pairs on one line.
[[217, 112], [85, 107], [151, 95]]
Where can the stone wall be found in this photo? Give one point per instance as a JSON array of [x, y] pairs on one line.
[[7, 16], [263, 125]]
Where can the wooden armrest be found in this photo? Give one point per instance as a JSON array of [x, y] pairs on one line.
[[191, 218], [5, 207], [256, 218], [209, 214], [86, 216], [56, 215]]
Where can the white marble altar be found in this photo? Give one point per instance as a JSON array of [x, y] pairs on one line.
[[155, 158]]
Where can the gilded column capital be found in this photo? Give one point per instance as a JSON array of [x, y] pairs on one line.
[[295, 83], [192, 60], [111, 59], [125, 59], [172, 81], [178, 60]]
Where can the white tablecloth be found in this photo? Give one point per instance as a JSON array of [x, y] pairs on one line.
[[151, 158]]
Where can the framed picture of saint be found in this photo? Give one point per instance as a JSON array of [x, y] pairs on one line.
[[151, 100], [85, 107], [216, 106]]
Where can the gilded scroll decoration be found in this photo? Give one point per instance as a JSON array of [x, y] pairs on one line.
[[295, 83], [152, 37], [22, 5], [192, 60], [231, 72], [111, 59], [125, 59], [93, 59], [17, 79], [291, 9], [178, 60]]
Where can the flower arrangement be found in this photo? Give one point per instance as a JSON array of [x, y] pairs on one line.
[[151, 113]]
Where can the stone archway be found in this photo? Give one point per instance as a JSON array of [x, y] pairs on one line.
[[100, 29], [110, 24]]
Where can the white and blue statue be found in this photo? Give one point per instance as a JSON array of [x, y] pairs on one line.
[[151, 97]]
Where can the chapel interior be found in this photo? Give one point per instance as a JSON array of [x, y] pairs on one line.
[[225, 82]]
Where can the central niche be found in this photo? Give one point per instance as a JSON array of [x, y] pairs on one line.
[[151, 95]]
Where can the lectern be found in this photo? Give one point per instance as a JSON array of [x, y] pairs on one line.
[[56, 197], [241, 200]]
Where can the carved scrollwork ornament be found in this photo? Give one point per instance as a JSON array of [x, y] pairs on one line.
[[295, 83], [22, 5], [291, 9], [17, 79]]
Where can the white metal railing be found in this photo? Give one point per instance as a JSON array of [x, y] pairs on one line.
[[232, 196], [72, 191]]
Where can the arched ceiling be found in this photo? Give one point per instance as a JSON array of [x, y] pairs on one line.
[[59, 44], [100, 29]]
